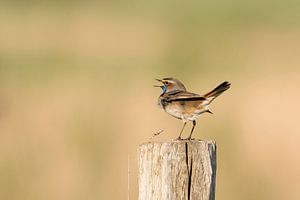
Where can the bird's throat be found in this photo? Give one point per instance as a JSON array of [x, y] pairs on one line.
[[164, 89]]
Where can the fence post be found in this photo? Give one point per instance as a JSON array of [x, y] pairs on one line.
[[179, 169]]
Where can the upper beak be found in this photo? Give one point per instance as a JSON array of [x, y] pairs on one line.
[[158, 79]]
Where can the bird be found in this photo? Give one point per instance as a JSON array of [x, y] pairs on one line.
[[186, 106]]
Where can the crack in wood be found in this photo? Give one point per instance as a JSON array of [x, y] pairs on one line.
[[189, 170], [190, 180]]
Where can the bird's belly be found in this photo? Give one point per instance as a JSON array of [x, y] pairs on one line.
[[183, 112], [175, 111], [195, 115]]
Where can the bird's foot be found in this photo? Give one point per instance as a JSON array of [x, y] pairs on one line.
[[179, 138]]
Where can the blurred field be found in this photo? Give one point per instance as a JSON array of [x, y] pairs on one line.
[[76, 95]]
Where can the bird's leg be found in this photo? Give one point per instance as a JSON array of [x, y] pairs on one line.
[[179, 137], [194, 124]]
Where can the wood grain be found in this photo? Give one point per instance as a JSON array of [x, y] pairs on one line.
[[179, 169]]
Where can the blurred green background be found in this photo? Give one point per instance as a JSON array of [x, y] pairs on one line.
[[76, 95]]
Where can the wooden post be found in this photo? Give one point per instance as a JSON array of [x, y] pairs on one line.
[[180, 169]]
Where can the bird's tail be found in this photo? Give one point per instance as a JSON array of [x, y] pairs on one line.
[[217, 91]]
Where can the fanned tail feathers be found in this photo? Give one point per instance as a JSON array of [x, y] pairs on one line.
[[217, 91]]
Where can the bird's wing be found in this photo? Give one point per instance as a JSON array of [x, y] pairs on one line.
[[183, 96]]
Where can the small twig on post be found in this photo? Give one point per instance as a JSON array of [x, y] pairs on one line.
[[180, 169], [156, 134]]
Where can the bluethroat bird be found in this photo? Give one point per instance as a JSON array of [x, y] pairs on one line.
[[184, 105]]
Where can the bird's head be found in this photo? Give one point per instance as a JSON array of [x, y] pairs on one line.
[[170, 84]]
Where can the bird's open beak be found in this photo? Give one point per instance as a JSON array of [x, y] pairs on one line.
[[159, 81]]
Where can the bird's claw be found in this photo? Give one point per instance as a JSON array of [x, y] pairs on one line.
[[179, 138]]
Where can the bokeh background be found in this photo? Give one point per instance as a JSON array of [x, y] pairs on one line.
[[76, 95]]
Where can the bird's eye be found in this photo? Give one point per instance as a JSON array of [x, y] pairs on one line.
[[167, 83]]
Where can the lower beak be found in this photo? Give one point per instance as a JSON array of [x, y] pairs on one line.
[[156, 85]]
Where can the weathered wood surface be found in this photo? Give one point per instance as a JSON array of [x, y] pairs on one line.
[[177, 170]]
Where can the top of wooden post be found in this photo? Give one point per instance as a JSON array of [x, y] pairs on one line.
[[177, 169], [210, 144]]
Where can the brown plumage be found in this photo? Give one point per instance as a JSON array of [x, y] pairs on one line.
[[184, 105], [217, 91]]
